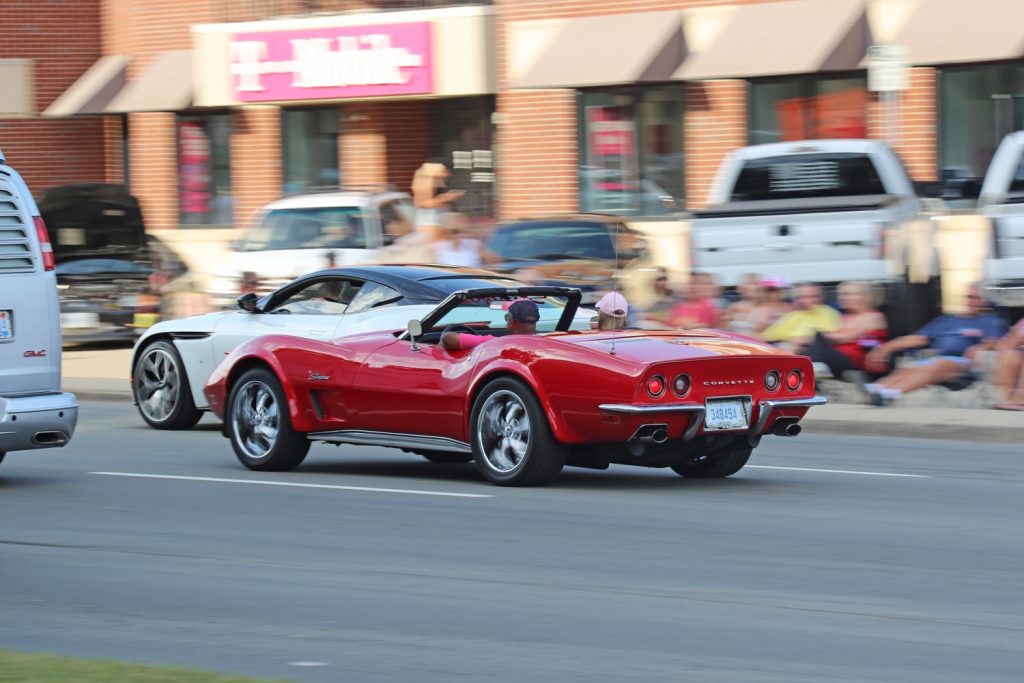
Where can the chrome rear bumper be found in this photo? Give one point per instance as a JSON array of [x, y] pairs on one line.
[[37, 421]]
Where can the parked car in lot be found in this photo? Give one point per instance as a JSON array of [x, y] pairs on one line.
[[34, 412], [297, 235], [104, 262], [172, 359], [1002, 202], [822, 211], [587, 251], [521, 405]]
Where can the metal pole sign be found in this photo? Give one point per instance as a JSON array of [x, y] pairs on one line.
[[888, 74], [887, 68]]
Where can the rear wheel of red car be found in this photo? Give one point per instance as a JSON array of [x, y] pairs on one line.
[[512, 441], [259, 426], [716, 466], [161, 389]]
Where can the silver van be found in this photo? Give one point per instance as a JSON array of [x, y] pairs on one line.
[[34, 412]]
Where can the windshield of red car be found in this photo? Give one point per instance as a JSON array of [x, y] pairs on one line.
[[489, 314]]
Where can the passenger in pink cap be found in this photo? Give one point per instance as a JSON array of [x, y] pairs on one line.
[[612, 311]]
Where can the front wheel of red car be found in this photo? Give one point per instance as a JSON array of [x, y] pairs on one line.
[[721, 464], [512, 441], [259, 426]]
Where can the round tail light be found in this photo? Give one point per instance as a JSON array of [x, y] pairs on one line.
[[772, 381], [681, 384], [656, 386], [794, 379]]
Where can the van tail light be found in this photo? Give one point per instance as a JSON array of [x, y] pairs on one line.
[[44, 243]]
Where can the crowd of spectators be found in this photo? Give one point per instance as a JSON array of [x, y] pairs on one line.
[[850, 340]]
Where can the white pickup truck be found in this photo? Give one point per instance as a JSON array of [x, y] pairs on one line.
[[1002, 201], [822, 211]]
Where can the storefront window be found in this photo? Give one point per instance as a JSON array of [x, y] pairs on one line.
[[309, 145], [978, 106], [204, 169], [631, 151], [808, 108], [463, 133]]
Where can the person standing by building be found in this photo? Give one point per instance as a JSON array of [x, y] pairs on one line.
[[432, 198]]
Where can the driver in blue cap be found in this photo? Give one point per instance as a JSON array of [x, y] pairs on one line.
[[521, 317]]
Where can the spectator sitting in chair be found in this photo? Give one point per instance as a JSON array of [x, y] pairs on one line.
[[798, 327], [1009, 374], [956, 342], [861, 328]]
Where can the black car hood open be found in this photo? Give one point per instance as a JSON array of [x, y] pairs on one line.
[[94, 220]]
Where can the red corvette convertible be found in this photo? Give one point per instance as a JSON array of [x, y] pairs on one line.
[[522, 406]]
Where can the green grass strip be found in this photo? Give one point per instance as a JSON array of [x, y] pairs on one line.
[[31, 668]]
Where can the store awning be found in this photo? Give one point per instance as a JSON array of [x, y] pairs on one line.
[[951, 31], [610, 50], [780, 38], [94, 89], [16, 91], [166, 85]]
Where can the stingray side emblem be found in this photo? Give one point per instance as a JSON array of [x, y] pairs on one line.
[[317, 377]]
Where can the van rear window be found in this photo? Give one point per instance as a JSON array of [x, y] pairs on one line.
[[801, 176]]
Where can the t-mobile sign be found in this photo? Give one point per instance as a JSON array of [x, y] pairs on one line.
[[327, 63]]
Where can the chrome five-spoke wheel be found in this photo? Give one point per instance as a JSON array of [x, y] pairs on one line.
[[255, 417], [504, 433], [161, 388], [259, 425], [512, 441]]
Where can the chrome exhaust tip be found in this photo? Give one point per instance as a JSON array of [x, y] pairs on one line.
[[50, 438]]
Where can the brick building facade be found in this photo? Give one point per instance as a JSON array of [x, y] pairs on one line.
[[588, 141]]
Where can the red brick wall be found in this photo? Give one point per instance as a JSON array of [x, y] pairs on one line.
[[62, 37], [143, 28], [384, 142], [715, 123], [410, 137], [362, 145], [537, 153], [255, 159], [917, 144], [537, 145]]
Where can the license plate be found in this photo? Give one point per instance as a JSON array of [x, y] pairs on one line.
[[727, 413], [6, 324], [79, 319]]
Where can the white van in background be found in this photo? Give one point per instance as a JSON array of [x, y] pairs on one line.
[[34, 412]]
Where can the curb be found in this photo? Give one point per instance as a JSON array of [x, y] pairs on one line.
[[942, 432]]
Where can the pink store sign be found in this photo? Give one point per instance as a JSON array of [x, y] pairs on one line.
[[327, 63]]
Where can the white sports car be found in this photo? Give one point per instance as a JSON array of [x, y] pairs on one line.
[[173, 359]]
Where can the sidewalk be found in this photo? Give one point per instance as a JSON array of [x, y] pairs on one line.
[[102, 374]]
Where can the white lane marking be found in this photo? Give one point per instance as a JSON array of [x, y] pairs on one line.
[[870, 474], [262, 482]]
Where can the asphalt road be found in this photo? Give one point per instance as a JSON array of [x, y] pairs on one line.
[[829, 558]]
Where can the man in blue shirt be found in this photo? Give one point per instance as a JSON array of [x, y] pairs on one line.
[[955, 340]]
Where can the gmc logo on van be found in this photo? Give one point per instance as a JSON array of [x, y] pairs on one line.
[[41, 353]]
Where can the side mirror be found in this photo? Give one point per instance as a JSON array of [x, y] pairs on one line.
[[415, 329], [247, 302]]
